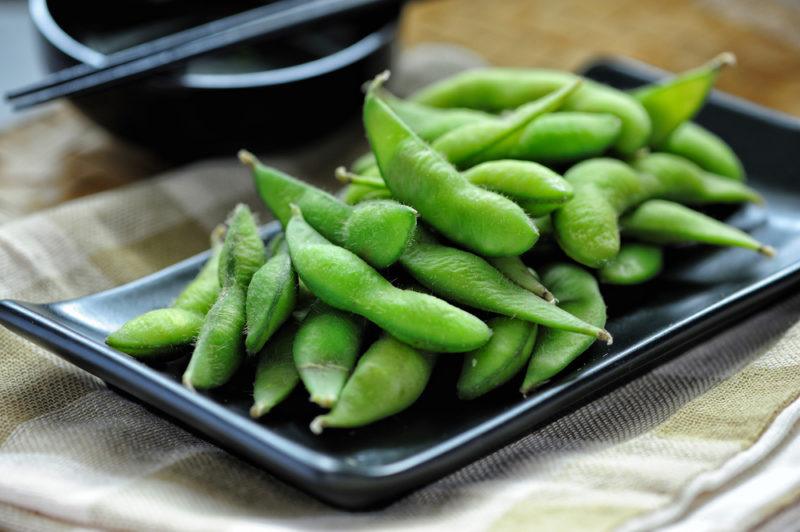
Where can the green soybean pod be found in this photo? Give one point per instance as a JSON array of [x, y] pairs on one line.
[[498, 89], [562, 136], [587, 227], [705, 149], [673, 101], [577, 293], [276, 375], [535, 209], [377, 231], [344, 281], [468, 279], [635, 264], [517, 271], [521, 180], [474, 143], [355, 193], [271, 298], [666, 222], [243, 251], [158, 332], [597, 98], [530, 184], [388, 378], [325, 351], [493, 89], [200, 294], [499, 360], [683, 181], [219, 348], [431, 123], [419, 176]]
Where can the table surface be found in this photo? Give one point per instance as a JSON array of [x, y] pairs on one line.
[[674, 35]]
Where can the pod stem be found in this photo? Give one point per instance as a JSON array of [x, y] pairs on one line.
[[347, 177], [722, 60], [256, 411], [187, 381], [377, 82], [317, 425], [605, 336], [218, 236], [767, 251], [247, 158]]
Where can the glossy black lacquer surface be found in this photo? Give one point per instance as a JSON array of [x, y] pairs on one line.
[[702, 290]]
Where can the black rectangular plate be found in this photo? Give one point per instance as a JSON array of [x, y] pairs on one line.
[[703, 289]]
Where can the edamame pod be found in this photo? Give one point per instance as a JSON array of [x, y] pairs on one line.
[[344, 281], [276, 375], [355, 193], [515, 269], [597, 98], [498, 89], [635, 264], [158, 332], [681, 180], [431, 123], [389, 377], [672, 102], [200, 294], [522, 180], [465, 278], [243, 252], [705, 149], [499, 360], [560, 137], [419, 176], [587, 227], [578, 294], [666, 222], [530, 184], [325, 351], [493, 89], [377, 231], [219, 350], [271, 298], [474, 143]]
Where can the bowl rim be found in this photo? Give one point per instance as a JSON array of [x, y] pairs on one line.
[[68, 45]]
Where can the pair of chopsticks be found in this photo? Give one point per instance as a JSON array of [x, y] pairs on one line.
[[165, 52]]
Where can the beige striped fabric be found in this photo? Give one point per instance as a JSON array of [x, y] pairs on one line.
[[74, 455]]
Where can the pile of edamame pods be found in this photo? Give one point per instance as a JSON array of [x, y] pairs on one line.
[[427, 252]]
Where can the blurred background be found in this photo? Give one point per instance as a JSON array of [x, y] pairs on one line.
[[54, 152]]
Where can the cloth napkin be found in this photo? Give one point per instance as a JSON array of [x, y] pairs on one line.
[[661, 450]]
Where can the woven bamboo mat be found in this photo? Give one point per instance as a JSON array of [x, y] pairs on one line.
[[60, 155]]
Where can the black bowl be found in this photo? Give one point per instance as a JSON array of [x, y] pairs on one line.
[[264, 96]]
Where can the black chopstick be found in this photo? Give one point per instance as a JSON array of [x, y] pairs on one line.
[[168, 51]]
